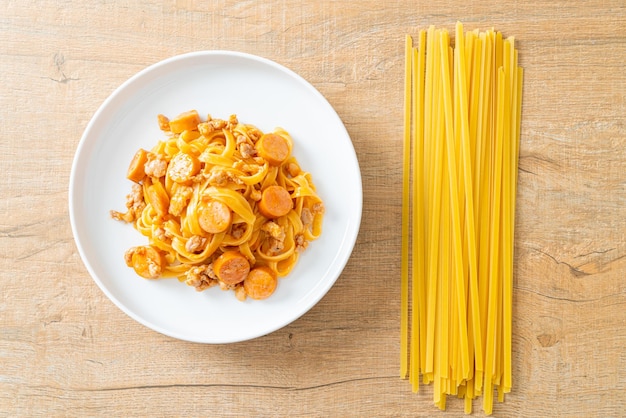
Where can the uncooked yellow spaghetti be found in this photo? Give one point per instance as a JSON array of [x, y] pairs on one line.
[[465, 97]]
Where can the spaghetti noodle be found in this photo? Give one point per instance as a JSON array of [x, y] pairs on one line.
[[222, 204], [465, 111]]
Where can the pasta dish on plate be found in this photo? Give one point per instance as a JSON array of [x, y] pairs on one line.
[[222, 204]]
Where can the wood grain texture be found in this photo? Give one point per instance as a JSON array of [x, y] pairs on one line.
[[66, 350]]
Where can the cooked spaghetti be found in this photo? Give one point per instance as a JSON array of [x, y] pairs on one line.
[[222, 204]]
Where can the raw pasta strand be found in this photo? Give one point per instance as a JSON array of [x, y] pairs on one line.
[[421, 202], [418, 313], [494, 256], [404, 289], [485, 189], [443, 314], [435, 213], [429, 170], [470, 233], [414, 354], [510, 65], [454, 204]]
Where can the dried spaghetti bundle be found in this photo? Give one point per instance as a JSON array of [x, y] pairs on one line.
[[461, 145]]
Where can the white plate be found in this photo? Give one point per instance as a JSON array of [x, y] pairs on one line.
[[219, 83]]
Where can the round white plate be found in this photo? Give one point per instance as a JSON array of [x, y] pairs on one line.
[[220, 83]]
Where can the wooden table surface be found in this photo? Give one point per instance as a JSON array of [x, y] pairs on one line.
[[66, 350]]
